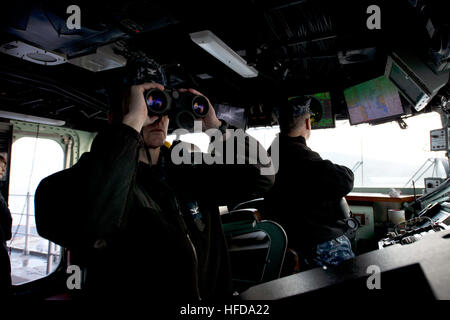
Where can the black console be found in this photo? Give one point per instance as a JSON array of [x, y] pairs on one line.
[[419, 270]]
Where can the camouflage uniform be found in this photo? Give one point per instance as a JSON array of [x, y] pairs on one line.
[[332, 253]]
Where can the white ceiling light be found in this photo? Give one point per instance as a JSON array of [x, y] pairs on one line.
[[28, 118], [216, 47]]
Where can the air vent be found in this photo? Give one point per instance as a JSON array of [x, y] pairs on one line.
[[104, 58], [31, 53]]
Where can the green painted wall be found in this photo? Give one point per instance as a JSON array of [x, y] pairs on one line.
[[81, 140]]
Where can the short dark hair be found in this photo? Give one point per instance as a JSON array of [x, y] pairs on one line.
[[288, 125], [293, 113]]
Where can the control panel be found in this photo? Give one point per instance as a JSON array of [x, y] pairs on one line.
[[439, 140], [434, 218], [432, 183], [441, 214]]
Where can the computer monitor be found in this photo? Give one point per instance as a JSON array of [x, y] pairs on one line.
[[413, 78], [322, 115], [232, 115], [373, 101]]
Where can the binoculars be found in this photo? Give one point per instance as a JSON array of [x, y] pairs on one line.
[[183, 107]]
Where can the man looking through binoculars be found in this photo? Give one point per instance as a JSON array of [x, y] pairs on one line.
[[126, 200], [154, 131]]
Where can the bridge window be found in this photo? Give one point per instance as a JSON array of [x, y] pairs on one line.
[[381, 156], [32, 257], [200, 139]]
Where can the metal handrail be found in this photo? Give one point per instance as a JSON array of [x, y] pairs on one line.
[[26, 251]]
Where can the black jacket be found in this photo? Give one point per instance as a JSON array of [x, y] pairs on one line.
[[306, 194], [5, 234], [135, 226], [5, 220]]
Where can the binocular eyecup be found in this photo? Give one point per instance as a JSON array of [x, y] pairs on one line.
[[157, 102], [183, 107], [163, 102]]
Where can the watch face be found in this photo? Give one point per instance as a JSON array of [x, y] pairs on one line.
[[351, 224]]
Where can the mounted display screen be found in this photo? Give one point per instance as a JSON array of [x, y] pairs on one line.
[[322, 117], [372, 101]]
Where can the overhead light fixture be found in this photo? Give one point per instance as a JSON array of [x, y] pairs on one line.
[[28, 118], [216, 47]]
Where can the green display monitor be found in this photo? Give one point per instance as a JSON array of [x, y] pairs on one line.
[[373, 101], [322, 117]]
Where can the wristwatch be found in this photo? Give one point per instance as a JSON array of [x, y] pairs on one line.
[[223, 127]]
